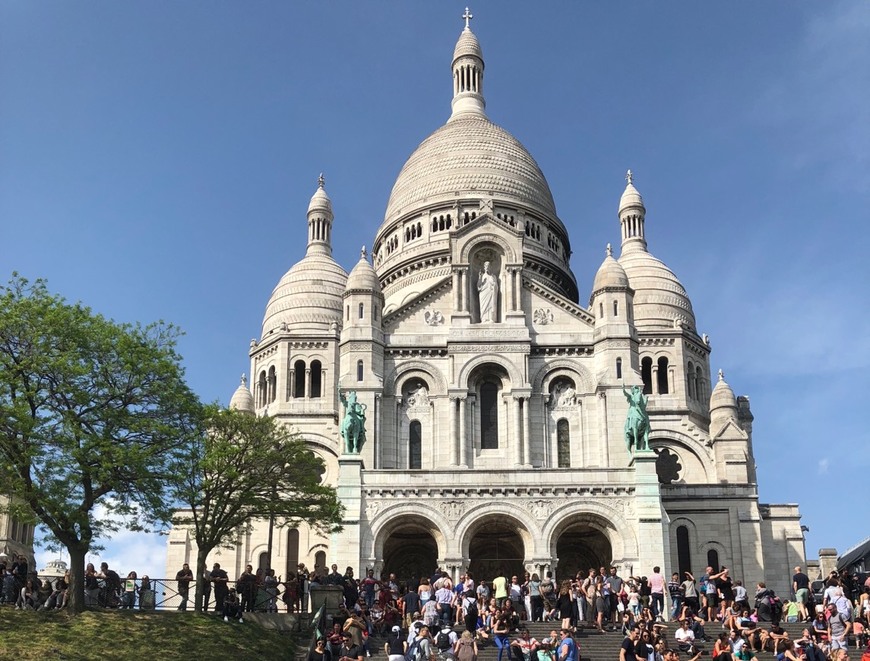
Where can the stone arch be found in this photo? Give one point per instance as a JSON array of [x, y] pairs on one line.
[[473, 520], [704, 549], [514, 375], [404, 371], [477, 241], [392, 518], [693, 458], [582, 378], [599, 516]]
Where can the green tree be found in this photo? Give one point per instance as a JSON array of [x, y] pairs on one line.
[[243, 468], [91, 412]]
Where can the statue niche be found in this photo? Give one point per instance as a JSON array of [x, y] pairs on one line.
[[485, 286]]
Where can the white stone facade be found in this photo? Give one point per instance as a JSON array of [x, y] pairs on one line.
[[501, 443]]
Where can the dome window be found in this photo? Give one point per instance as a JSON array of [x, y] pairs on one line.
[[362, 311], [646, 375], [619, 368], [662, 376], [272, 385], [359, 370], [261, 390], [690, 380]]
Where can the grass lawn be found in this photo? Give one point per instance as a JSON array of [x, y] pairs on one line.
[[107, 635]]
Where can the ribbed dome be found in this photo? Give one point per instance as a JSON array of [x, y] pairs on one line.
[[610, 274], [308, 297], [363, 276], [467, 44], [723, 397], [659, 297], [320, 200], [242, 399], [470, 155]]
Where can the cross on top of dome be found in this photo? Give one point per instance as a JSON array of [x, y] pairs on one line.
[[467, 16]]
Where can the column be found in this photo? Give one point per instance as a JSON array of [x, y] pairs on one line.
[[308, 383], [517, 431], [515, 299], [292, 388], [527, 453], [463, 440], [456, 295], [463, 290], [454, 442]]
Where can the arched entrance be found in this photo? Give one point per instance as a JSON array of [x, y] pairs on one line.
[[580, 547], [410, 552], [496, 546]]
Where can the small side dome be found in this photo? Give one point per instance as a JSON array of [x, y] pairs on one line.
[[320, 200], [660, 300], [610, 274], [242, 399], [722, 399], [363, 277]]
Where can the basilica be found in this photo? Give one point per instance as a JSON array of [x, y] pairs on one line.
[[491, 392]]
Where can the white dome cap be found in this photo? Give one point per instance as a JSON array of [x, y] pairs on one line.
[[722, 399], [242, 399], [467, 46], [610, 274], [363, 277], [320, 200]]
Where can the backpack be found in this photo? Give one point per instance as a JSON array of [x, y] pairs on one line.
[[471, 611], [547, 587], [442, 641], [415, 652]]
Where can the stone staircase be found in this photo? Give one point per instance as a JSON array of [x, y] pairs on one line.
[[594, 646]]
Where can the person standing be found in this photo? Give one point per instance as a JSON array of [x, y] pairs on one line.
[[616, 584], [220, 580], [184, 577], [657, 593], [247, 587], [499, 586], [800, 583], [626, 649], [206, 590], [675, 591]]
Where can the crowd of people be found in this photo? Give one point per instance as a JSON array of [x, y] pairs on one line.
[[659, 619]]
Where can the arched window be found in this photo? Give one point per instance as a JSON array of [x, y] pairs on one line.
[[563, 443], [320, 563], [615, 308], [347, 313], [619, 368], [690, 380], [662, 377], [646, 375], [489, 416], [261, 390], [263, 562], [299, 378], [359, 370], [316, 378], [292, 551], [273, 384], [415, 446], [713, 560], [684, 556], [362, 311], [699, 384], [601, 310]]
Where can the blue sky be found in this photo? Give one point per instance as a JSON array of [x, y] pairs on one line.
[[156, 161]]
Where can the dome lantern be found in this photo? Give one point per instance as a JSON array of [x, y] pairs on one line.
[[631, 216], [320, 221], [467, 73]]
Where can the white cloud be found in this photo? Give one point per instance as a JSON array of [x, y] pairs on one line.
[[824, 463]]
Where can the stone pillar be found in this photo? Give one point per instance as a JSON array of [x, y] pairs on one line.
[[827, 562], [292, 388], [527, 452], [651, 517], [655, 379], [454, 441], [349, 491], [456, 294], [463, 440], [308, 383], [517, 431]]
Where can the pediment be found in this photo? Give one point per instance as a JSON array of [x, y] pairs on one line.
[[546, 308], [429, 309], [730, 431]]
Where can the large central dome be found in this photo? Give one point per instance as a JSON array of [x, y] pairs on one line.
[[470, 154], [469, 169]]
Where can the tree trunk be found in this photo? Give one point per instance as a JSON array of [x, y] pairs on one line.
[[77, 555], [201, 556]]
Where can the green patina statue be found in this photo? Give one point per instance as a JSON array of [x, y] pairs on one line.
[[353, 429], [637, 422]]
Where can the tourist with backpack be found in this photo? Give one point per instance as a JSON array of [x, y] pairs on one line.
[[421, 648], [445, 640]]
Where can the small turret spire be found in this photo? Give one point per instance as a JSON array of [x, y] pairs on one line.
[[609, 250], [321, 182], [244, 381], [362, 253]]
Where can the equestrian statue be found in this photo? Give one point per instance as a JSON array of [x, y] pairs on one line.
[[353, 429], [637, 422]]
